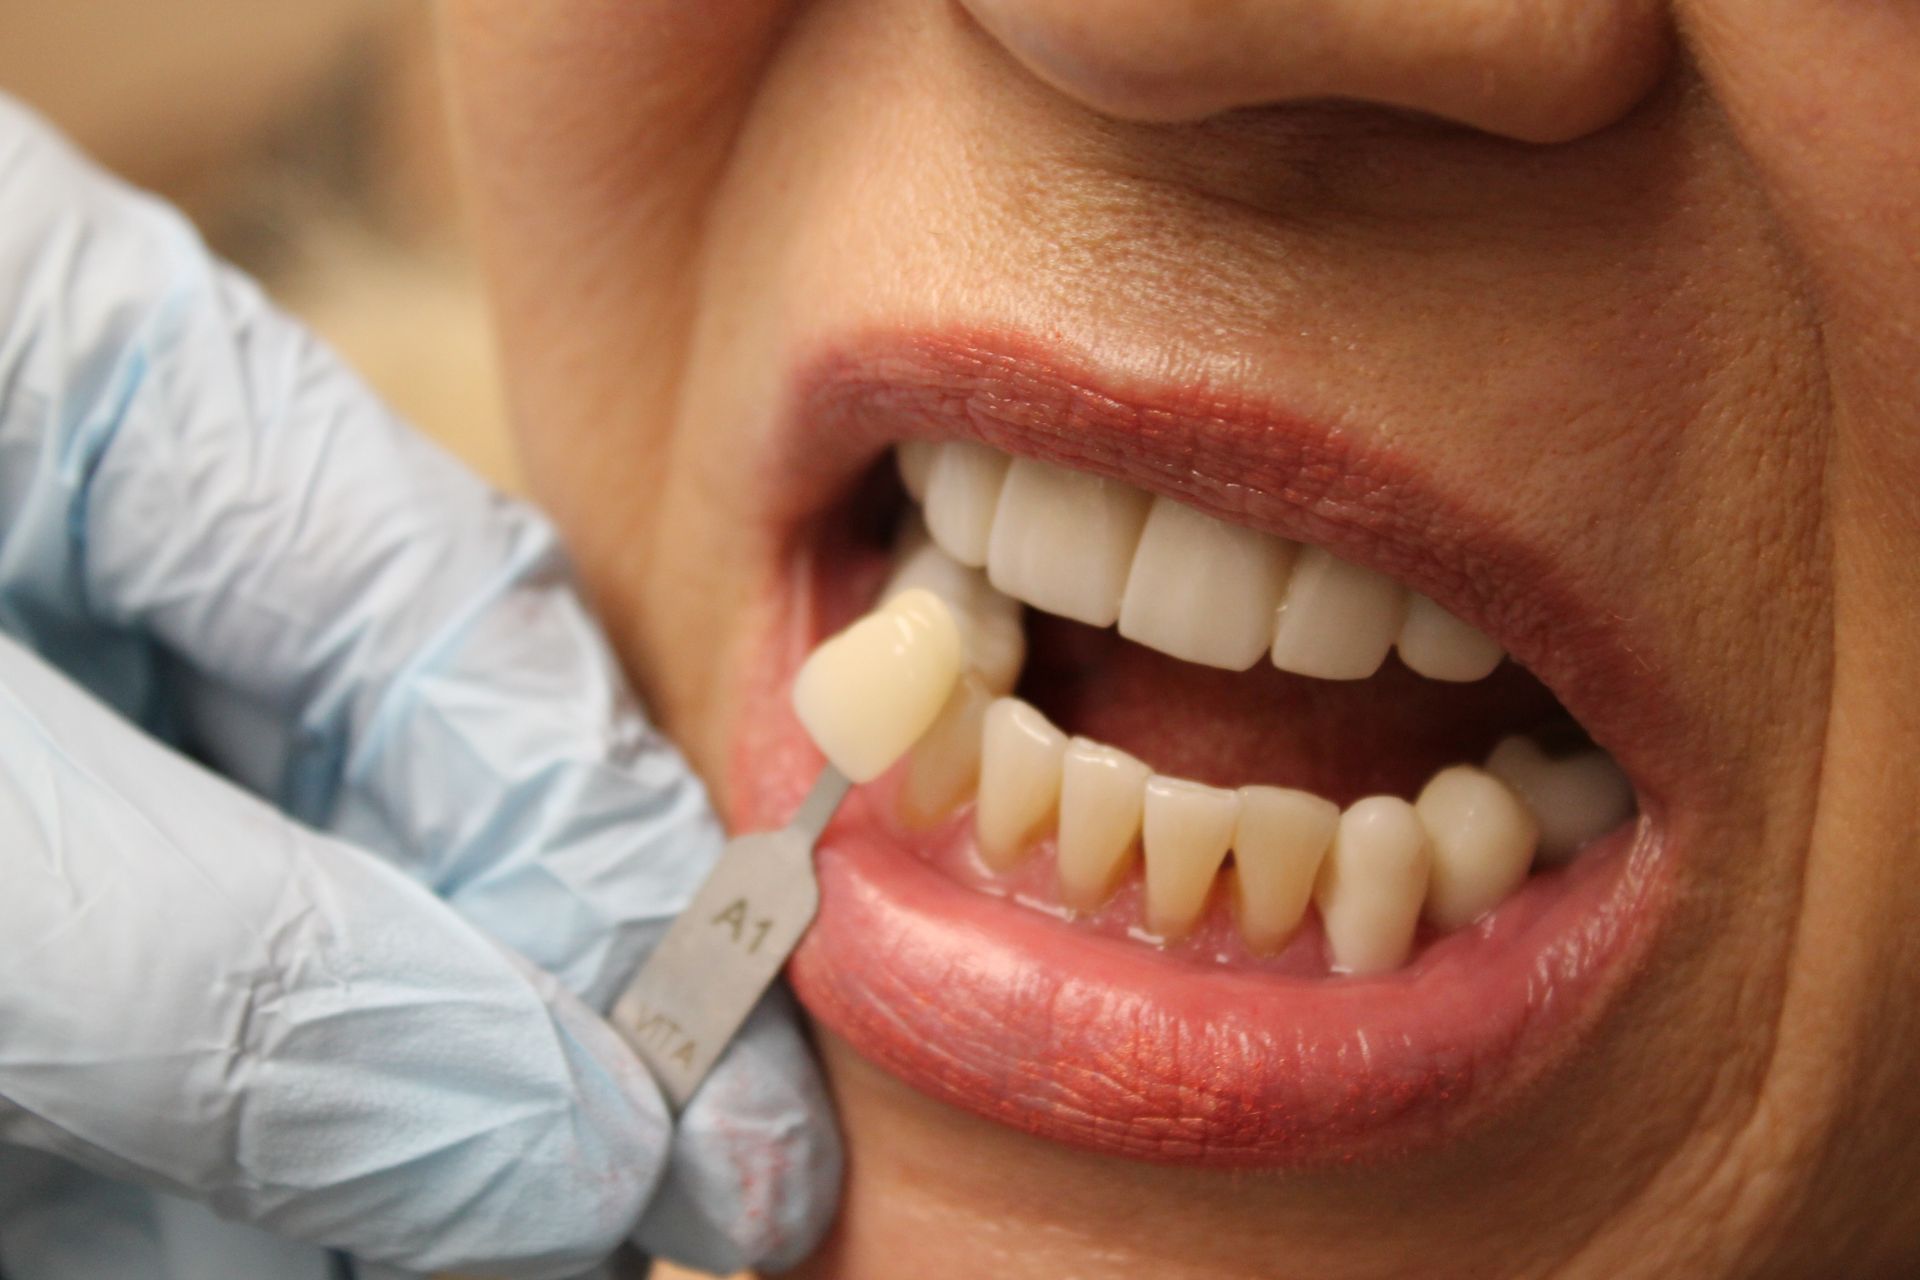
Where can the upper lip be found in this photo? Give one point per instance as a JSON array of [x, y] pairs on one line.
[[1309, 1087]]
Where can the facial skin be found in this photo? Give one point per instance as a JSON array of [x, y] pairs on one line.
[[1642, 281]]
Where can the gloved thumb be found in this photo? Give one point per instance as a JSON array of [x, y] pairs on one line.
[[202, 997]]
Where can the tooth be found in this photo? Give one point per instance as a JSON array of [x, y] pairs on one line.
[[867, 694], [1102, 790], [1186, 829], [990, 630], [944, 767], [915, 460], [1203, 590], [963, 489], [1277, 847], [1062, 540], [1482, 838], [1576, 798], [1336, 620], [1020, 760], [1441, 647], [1372, 883]]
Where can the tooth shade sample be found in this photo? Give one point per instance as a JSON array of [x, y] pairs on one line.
[[1102, 789], [867, 694], [1186, 830], [915, 460], [1372, 883], [1441, 647], [944, 767], [1482, 838], [1063, 541], [1020, 760], [1203, 590], [990, 630], [1278, 843], [963, 491], [1336, 620], [1575, 799]]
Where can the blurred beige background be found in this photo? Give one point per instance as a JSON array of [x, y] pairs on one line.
[[307, 141]]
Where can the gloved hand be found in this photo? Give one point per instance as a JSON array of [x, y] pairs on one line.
[[356, 1006]]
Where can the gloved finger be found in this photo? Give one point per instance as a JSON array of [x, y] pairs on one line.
[[755, 1169], [213, 524], [222, 532], [204, 998], [61, 1222]]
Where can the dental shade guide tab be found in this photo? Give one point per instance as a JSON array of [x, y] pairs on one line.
[[870, 692], [723, 952]]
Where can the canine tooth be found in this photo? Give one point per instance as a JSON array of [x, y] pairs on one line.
[[1372, 883], [1482, 838], [944, 766], [915, 460], [1063, 540], [1020, 759], [1575, 799], [990, 630], [1102, 790], [1202, 589], [1186, 829], [867, 694], [1441, 647], [963, 490], [1336, 620], [1277, 847]]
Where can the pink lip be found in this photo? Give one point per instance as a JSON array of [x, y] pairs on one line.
[[1112, 1045]]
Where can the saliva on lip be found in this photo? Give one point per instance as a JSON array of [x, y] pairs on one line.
[[920, 671]]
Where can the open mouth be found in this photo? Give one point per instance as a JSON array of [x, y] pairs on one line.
[[1148, 752], [1234, 845]]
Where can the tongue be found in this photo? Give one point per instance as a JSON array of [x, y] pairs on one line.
[[1339, 739]]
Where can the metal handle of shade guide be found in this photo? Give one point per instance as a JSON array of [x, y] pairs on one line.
[[719, 957]]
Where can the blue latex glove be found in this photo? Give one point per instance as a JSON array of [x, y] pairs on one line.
[[338, 979]]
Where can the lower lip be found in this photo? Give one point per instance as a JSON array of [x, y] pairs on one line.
[[1114, 1046]]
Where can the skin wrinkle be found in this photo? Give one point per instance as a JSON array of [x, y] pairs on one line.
[[1738, 1181], [1824, 298]]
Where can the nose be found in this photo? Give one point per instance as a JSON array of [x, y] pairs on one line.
[[1532, 70]]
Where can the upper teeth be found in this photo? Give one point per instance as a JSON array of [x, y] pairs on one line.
[[1099, 552]]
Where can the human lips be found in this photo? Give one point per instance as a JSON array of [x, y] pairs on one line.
[[929, 958]]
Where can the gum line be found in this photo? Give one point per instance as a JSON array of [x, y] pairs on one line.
[[1215, 942]]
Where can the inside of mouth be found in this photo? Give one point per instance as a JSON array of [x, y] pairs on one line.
[[1341, 739], [1349, 742]]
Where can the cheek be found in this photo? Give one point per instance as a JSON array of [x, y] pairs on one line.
[[1824, 100], [698, 607]]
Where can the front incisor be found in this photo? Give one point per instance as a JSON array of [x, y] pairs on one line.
[[1186, 830], [1021, 754]]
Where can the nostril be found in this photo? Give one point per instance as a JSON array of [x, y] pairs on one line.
[[1540, 71]]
